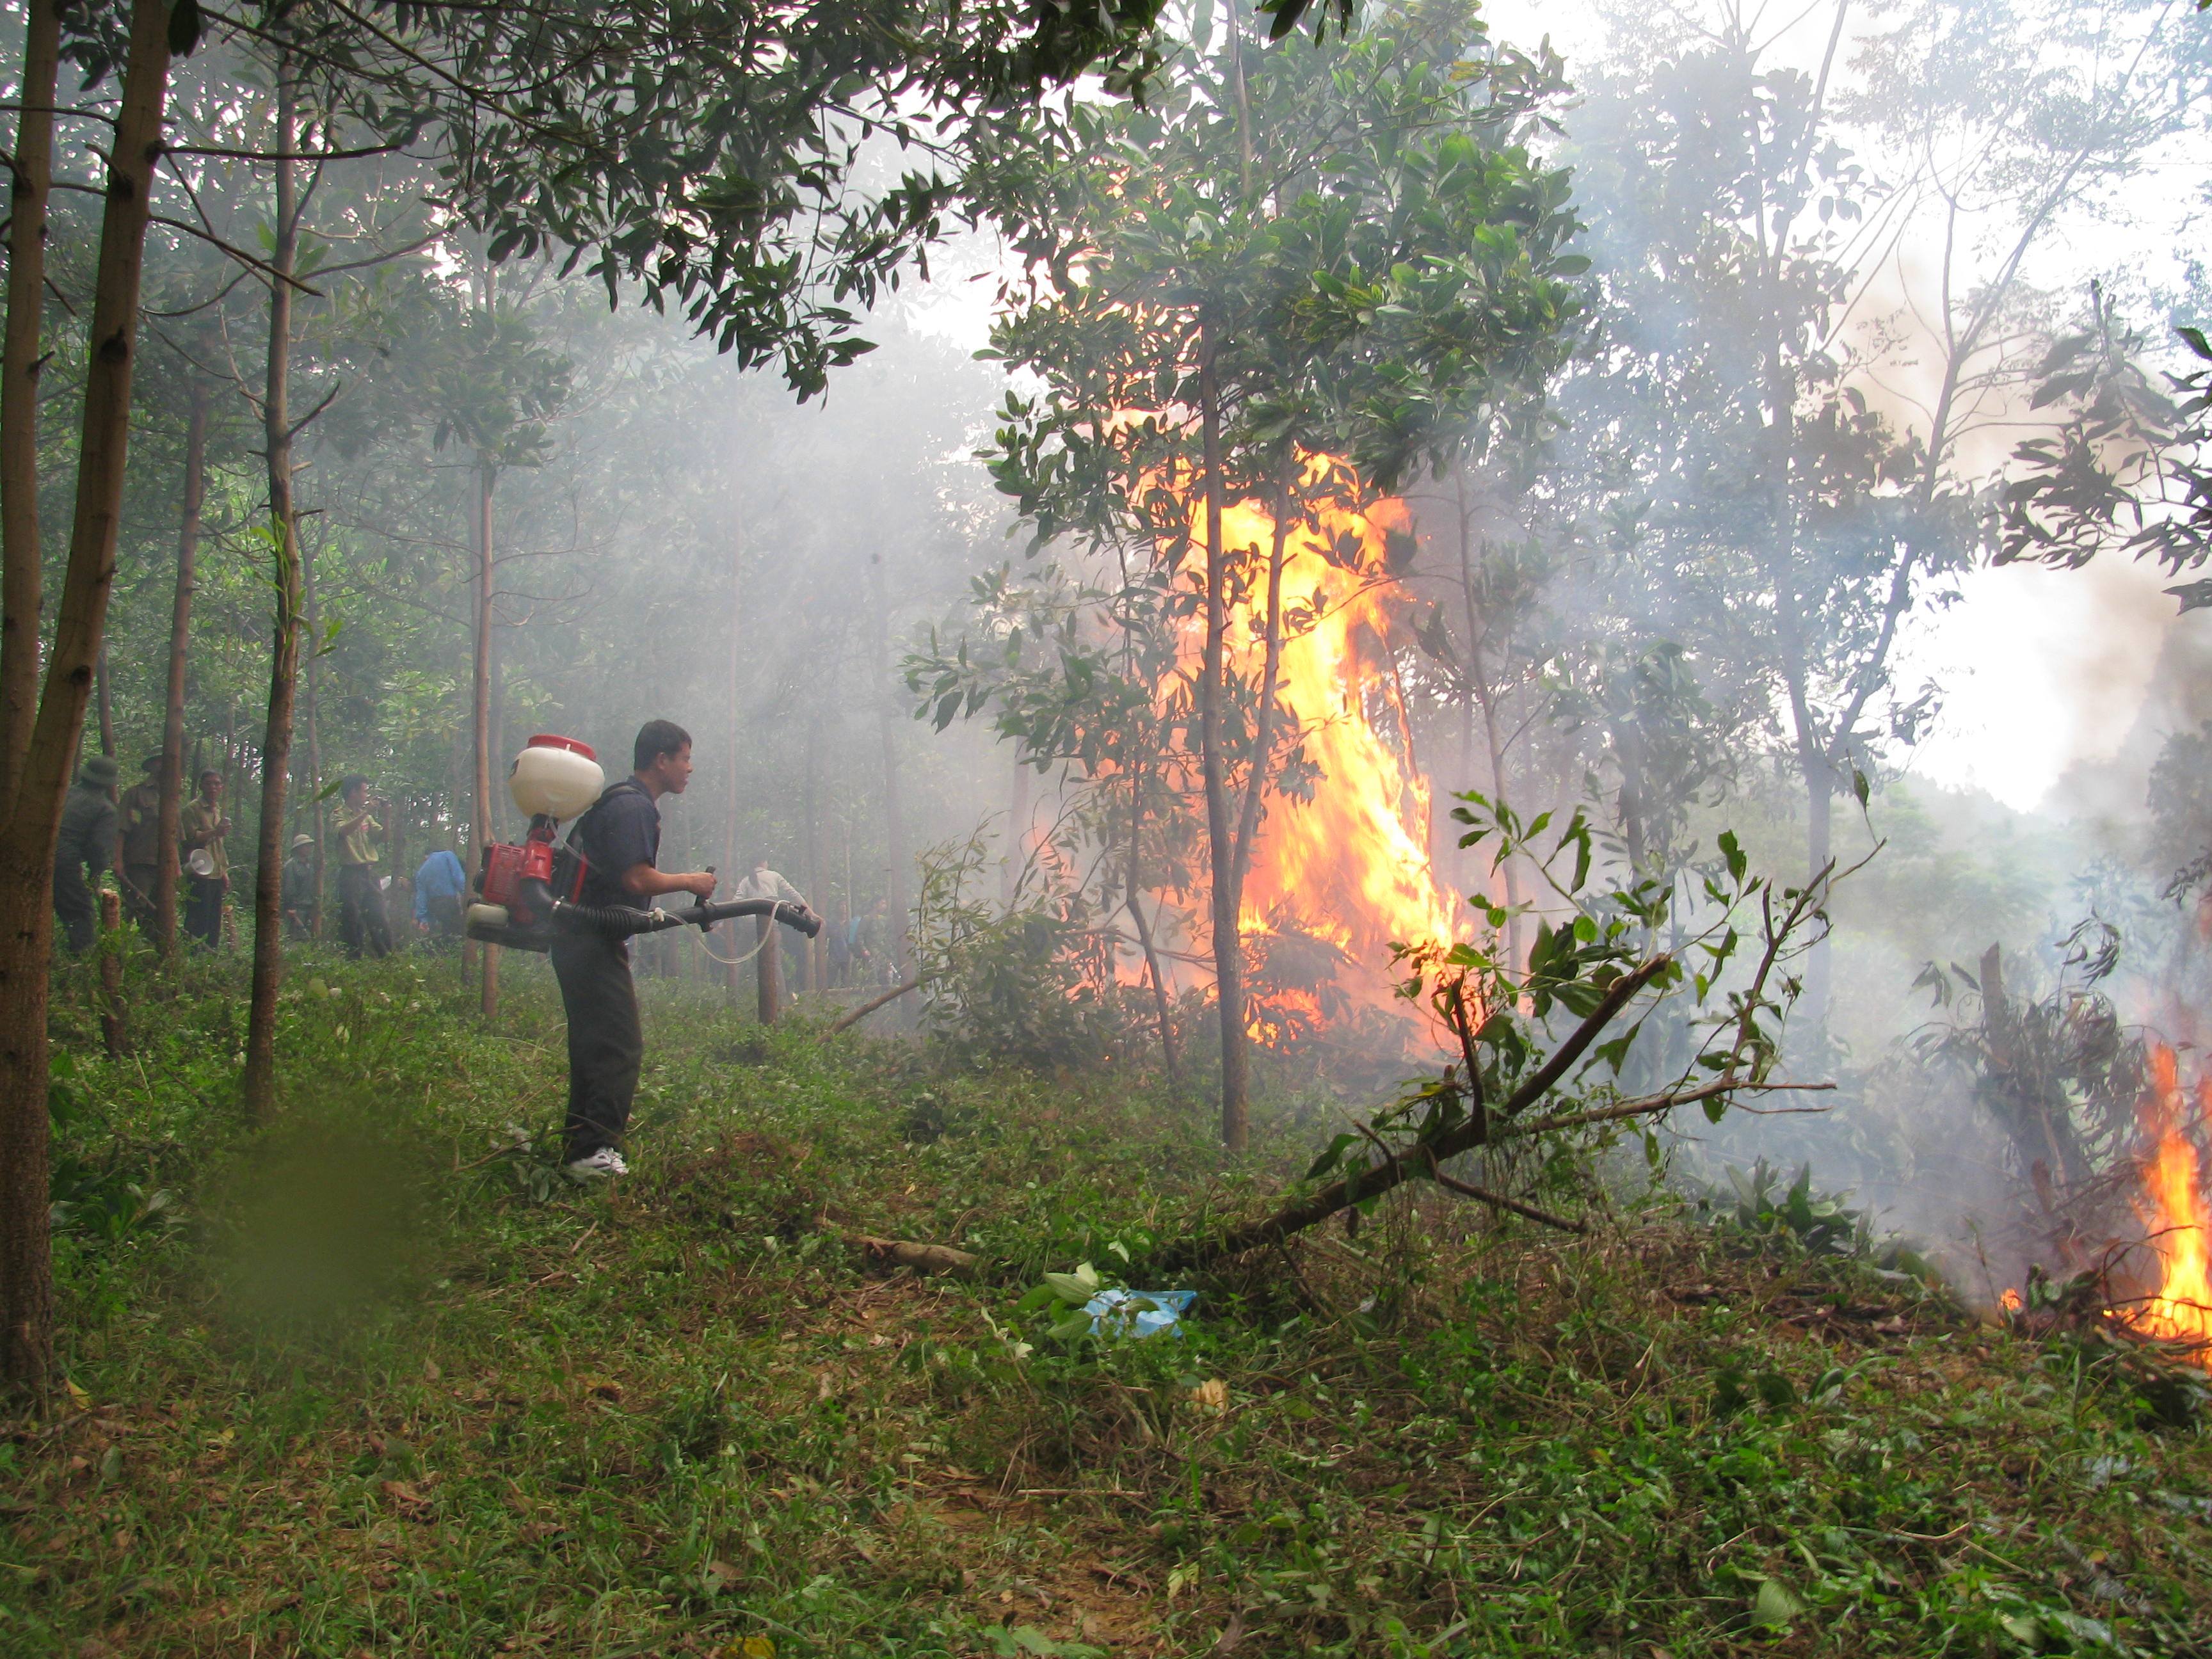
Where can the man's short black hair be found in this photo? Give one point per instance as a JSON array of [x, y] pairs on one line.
[[655, 739], [209, 773], [351, 781]]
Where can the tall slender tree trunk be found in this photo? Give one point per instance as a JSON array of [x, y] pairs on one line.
[[35, 809], [169, 819], [20, 574], [887, 723], [311, 676], [105, 703], [1145, 934], [816, 977], [1271, 669], [1228, 944], [488, 998], [260, 1081], [732, 972], [1484, 697], [1017, 835]]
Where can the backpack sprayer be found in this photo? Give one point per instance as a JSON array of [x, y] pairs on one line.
[[525, 894]]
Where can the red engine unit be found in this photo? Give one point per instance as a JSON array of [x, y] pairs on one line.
[[507, 868]]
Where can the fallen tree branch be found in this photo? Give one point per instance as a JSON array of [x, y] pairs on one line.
[[866, 1008], [922, 1258], [1380, 1178], [1537, 1126], [1498, 1200]]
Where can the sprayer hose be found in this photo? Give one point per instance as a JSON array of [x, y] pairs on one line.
[[621, 920]]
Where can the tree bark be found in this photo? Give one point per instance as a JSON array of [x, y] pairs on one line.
[[260, 1081], [170, 813], [1228, 944], [488, 998], [1145, 935], [34, 810], [103, 703], [20, 574]]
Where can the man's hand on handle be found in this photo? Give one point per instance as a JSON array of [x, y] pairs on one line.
[[701, 884]]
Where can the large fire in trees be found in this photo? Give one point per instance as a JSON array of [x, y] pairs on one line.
[[1340, 866]]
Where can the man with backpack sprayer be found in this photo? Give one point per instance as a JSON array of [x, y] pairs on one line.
[[582, 903], [620, 840]]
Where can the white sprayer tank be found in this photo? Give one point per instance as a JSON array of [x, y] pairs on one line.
[[557, 776]]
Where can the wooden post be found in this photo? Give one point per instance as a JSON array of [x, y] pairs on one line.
[[112, 1034]]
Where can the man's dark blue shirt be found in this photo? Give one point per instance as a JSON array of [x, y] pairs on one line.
[[616, 835]]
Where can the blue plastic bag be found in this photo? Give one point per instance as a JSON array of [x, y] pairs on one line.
[[1137, 1313]]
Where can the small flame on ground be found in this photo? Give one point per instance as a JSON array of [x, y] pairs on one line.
[[2010, 1300], [2173, 1205]]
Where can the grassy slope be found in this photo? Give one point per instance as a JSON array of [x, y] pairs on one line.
[[372, 1402]]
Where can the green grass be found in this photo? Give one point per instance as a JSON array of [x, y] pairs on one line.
[[385, 1390]]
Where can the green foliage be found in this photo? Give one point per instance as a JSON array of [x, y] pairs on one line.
[[1031, 985], [683, 1411], [1757, 1206]]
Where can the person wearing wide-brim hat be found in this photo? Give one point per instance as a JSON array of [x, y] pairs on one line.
[[139, 813], [84, 850], [302, 900]]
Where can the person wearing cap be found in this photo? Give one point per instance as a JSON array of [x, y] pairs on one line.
[[201, 828], [302, 897], [86, 846], [140, 812]]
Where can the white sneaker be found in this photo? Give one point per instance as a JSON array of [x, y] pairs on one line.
[[598, 1166]]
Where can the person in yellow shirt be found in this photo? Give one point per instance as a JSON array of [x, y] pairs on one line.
[[201, 829], [361, 922]]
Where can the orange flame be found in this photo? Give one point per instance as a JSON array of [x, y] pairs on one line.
[[2173, 1205], [1350, 864], [2010, 1300]]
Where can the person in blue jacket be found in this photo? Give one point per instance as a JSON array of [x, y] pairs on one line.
[[440, 886]]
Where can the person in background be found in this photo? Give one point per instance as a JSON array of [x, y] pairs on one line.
[[201, 828], [840, 936], [767, 884], [141, 816], [620, 840], [362, 924], [302, 903], [86, 848], [872, 945], [439, 886]]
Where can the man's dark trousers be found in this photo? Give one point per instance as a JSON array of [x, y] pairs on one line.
[[360, 911], [74, 907], [606, 1046], [204, 911]]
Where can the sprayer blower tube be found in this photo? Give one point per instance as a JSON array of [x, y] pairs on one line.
[[621, 920], [489, 924]]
